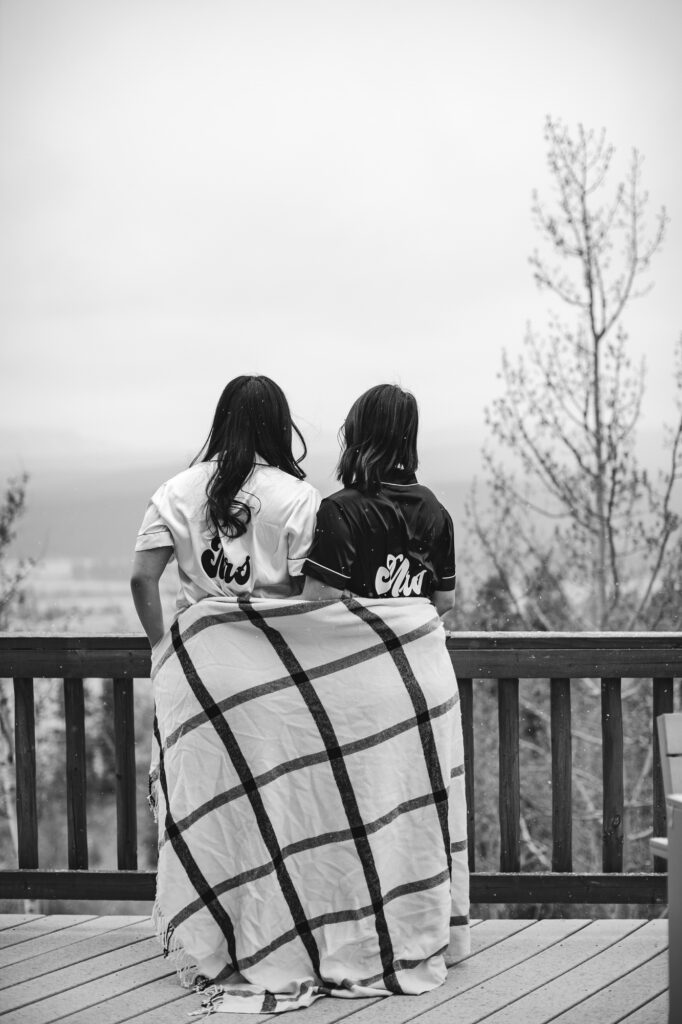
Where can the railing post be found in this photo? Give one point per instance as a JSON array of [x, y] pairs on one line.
[[466, 697], [25, 752], [612, 772], [562, 798], [662, 705], [510, 801], [124, 739], [74, 718]]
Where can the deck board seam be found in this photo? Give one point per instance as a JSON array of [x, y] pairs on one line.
[[19, 924], [523, 926], [181, 993], [474, 984], [178, 994], [83, 960], [171, 996], [86, 938], [107, 999], [525, 960], [612, 981], [89, 981], [636, 1009], [52, 931]]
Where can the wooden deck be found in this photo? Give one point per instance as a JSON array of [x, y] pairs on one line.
[[106, 970]]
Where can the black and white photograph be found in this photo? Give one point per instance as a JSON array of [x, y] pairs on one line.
[[341, 511]]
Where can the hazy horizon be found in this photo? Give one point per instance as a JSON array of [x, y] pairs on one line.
[[93, 512]]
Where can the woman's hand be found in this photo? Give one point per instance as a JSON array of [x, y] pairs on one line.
[[144, 584]]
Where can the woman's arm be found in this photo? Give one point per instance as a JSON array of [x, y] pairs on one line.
[[313, 590], [444, 601], [144, 583]]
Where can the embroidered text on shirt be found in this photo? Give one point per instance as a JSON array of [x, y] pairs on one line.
[[394, 578], [214, 564]]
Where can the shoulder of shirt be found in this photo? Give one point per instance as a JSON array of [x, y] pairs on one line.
[[438, 504], [427, 494], [272, 476], [352, 496], [186, 479], [346, 498]]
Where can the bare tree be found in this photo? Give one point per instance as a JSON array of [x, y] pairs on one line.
[[577, 533], [12, 576]]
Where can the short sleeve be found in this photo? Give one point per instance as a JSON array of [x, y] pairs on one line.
[[300, 528], [444, 556], [333, 551], [153, 532]]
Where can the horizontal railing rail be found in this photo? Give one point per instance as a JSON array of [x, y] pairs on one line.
[[507, 658]]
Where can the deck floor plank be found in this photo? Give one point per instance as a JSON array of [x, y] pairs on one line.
[[655, 1012], [62, 968], [610, 949], [496, 945], [84, 985], [41, 926], [14, 920], [108, 970], [168, 1013], [506, 987], [611, 1003], [42, 945], [156, 990], [329, 1011]]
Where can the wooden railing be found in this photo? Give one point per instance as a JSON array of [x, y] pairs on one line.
[[556, 658]]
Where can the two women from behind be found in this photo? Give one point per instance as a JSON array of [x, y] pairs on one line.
[[308, 765]]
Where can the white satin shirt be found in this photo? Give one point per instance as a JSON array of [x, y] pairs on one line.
[[262, 562]]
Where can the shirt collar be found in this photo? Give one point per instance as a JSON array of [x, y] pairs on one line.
[[397, 475]]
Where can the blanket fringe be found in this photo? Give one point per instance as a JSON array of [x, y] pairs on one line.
[[212, 998], [152, 797], [173, 948]]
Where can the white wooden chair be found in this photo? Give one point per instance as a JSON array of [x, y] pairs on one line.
[[670, 743]]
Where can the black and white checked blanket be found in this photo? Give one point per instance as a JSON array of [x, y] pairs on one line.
[[308, 781]]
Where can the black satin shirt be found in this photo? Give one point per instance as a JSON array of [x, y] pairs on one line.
[[397, 542]]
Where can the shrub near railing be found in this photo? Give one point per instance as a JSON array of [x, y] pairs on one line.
[[556, 658]]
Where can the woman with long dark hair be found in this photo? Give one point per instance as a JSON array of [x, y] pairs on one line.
[[240, 519]]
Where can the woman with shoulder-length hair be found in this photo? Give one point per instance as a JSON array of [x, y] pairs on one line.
[[384, 545], [384, 534]]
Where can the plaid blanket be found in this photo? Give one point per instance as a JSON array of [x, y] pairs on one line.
[[308, 781]]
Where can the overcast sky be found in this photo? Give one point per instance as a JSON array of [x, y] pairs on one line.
[[331, 193]]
